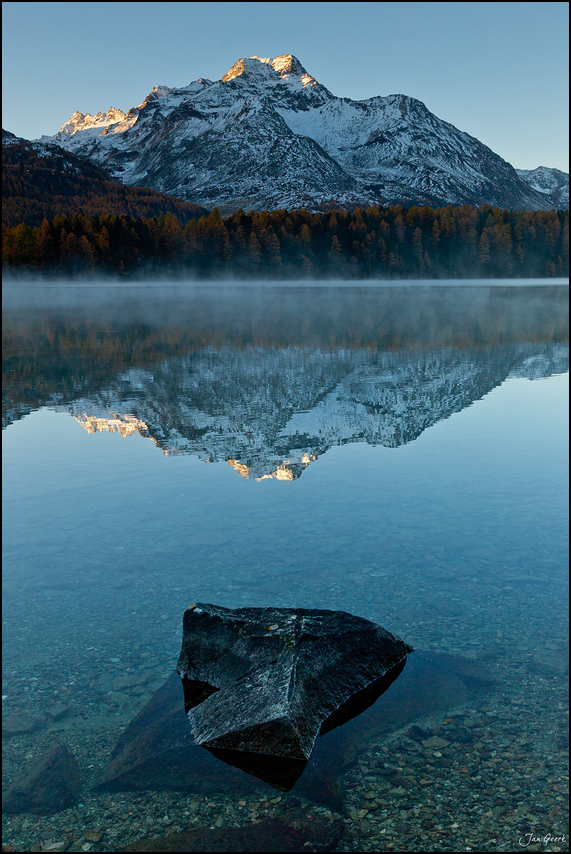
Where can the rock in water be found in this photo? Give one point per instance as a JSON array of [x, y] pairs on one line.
[[293, 830], [266, 680], [51, 784], [156, 751]]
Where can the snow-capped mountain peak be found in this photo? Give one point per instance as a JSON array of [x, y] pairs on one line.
[[269, 135], [157, 93], [259, 69], [552, 182], [86, 122], [287, 64]]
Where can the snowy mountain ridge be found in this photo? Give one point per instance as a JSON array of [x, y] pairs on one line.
[[269, 135]]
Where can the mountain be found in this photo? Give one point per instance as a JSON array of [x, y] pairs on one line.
[[268, 135], [43, 180], [553, 182]]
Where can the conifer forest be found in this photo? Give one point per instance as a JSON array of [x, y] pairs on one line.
[[392, 242]]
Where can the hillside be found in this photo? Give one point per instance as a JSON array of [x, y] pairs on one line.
[[42, 180]]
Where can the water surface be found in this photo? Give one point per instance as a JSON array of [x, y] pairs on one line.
[[396, 452]]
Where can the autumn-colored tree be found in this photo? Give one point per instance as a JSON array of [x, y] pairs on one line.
[[305, 235], [254, 251], [418, 249], [484, 249], [273, 251], [399, 228], [335, 251]]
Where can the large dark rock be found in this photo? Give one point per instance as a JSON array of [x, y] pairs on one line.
[[156, 750], [265, 680], [50, 784]]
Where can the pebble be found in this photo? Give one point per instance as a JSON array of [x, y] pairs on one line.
[[435, 742]]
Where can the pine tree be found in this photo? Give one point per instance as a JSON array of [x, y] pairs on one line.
[[254, 251]]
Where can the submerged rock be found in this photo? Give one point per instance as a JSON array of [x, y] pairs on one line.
[[51, 784], [19, 725], [292, 831], [266, 680], [156, 750]]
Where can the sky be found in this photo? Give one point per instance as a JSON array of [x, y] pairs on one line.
[[499, 71]]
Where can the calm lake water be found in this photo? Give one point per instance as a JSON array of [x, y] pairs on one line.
[[398, 452]]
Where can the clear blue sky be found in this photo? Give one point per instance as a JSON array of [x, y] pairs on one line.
[[496, 70]]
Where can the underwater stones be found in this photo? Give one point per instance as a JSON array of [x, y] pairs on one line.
[[266, 680], [50, 784]]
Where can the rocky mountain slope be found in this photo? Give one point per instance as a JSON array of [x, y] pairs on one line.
[[268, 135], [42, 180], [553, 182]]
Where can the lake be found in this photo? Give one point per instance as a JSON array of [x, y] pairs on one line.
[[399, 452]]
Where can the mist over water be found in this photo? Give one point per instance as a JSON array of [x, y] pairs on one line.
[[424, 310]]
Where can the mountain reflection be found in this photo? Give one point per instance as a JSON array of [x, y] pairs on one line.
[[269, 381]]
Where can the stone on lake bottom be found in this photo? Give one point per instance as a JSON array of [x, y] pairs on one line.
[[19, 725], [292, 831], [156, 750], [58, 711], [51, 784], [266, 680]]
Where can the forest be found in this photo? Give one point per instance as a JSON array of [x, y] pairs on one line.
[[392, 242]]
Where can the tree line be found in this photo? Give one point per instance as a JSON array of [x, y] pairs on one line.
[[392, 242]]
